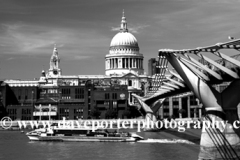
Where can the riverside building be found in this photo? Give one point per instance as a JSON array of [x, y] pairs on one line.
[[55, 95]]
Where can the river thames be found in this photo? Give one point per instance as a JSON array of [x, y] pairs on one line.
[[15, 145]]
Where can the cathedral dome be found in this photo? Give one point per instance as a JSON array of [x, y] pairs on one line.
[[124, 56], [124, 39]]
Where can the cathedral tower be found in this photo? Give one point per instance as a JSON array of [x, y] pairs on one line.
[[54, 70]]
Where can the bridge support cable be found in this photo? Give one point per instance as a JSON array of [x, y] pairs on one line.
[[226, 142], [213, 138], [219, 143], [227, 58], [219, 66], [201, 66], [226, 145], [194, 70]]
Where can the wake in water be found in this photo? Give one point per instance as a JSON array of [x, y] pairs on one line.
[[166, 141]]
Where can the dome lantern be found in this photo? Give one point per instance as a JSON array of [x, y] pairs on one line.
[[124, 24]]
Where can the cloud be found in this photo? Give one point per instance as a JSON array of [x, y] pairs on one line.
[[11, 58], [199, 24], [115, 28], [133, 29], [25, 39], [81, 57], [221, 1], [30, 39], [137, 28]]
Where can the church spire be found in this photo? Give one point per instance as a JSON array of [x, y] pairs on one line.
[[54, 63], [55, 52], [123, 23]]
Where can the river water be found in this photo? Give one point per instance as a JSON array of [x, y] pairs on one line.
[[15, 145]]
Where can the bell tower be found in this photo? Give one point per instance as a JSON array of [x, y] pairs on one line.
[[54, 70]]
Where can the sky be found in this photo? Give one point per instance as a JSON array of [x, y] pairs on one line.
[[83, 29]]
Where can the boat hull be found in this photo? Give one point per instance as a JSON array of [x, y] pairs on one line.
[[82, 139]]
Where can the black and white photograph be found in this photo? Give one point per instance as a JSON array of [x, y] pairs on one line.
[[119, 79]]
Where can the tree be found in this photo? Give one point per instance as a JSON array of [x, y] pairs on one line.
[[111, 113], [181, 111], [134, 112], [173, 117], [3, 112], [127, 113], [95, 113]]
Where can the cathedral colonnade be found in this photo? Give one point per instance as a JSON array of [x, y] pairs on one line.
[[124, 63]]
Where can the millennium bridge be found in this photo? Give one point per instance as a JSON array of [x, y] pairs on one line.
[[195, 71]]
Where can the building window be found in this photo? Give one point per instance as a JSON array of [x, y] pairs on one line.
[[193, 100], [1, 98], [19, 94], [66, 93], [33, 94], [166, 102], [131, 97], [26, 114], [121, 101], [129, 82], [114, 95], [89, 92], [175, 101], [79, 93], [114, 104], [52, 90], [106, 103], [78, 113], [64, 112], [12, 113], [26, 94], [123, 63], [107, 96]]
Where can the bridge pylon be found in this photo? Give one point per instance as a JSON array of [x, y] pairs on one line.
[[217, 142]]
